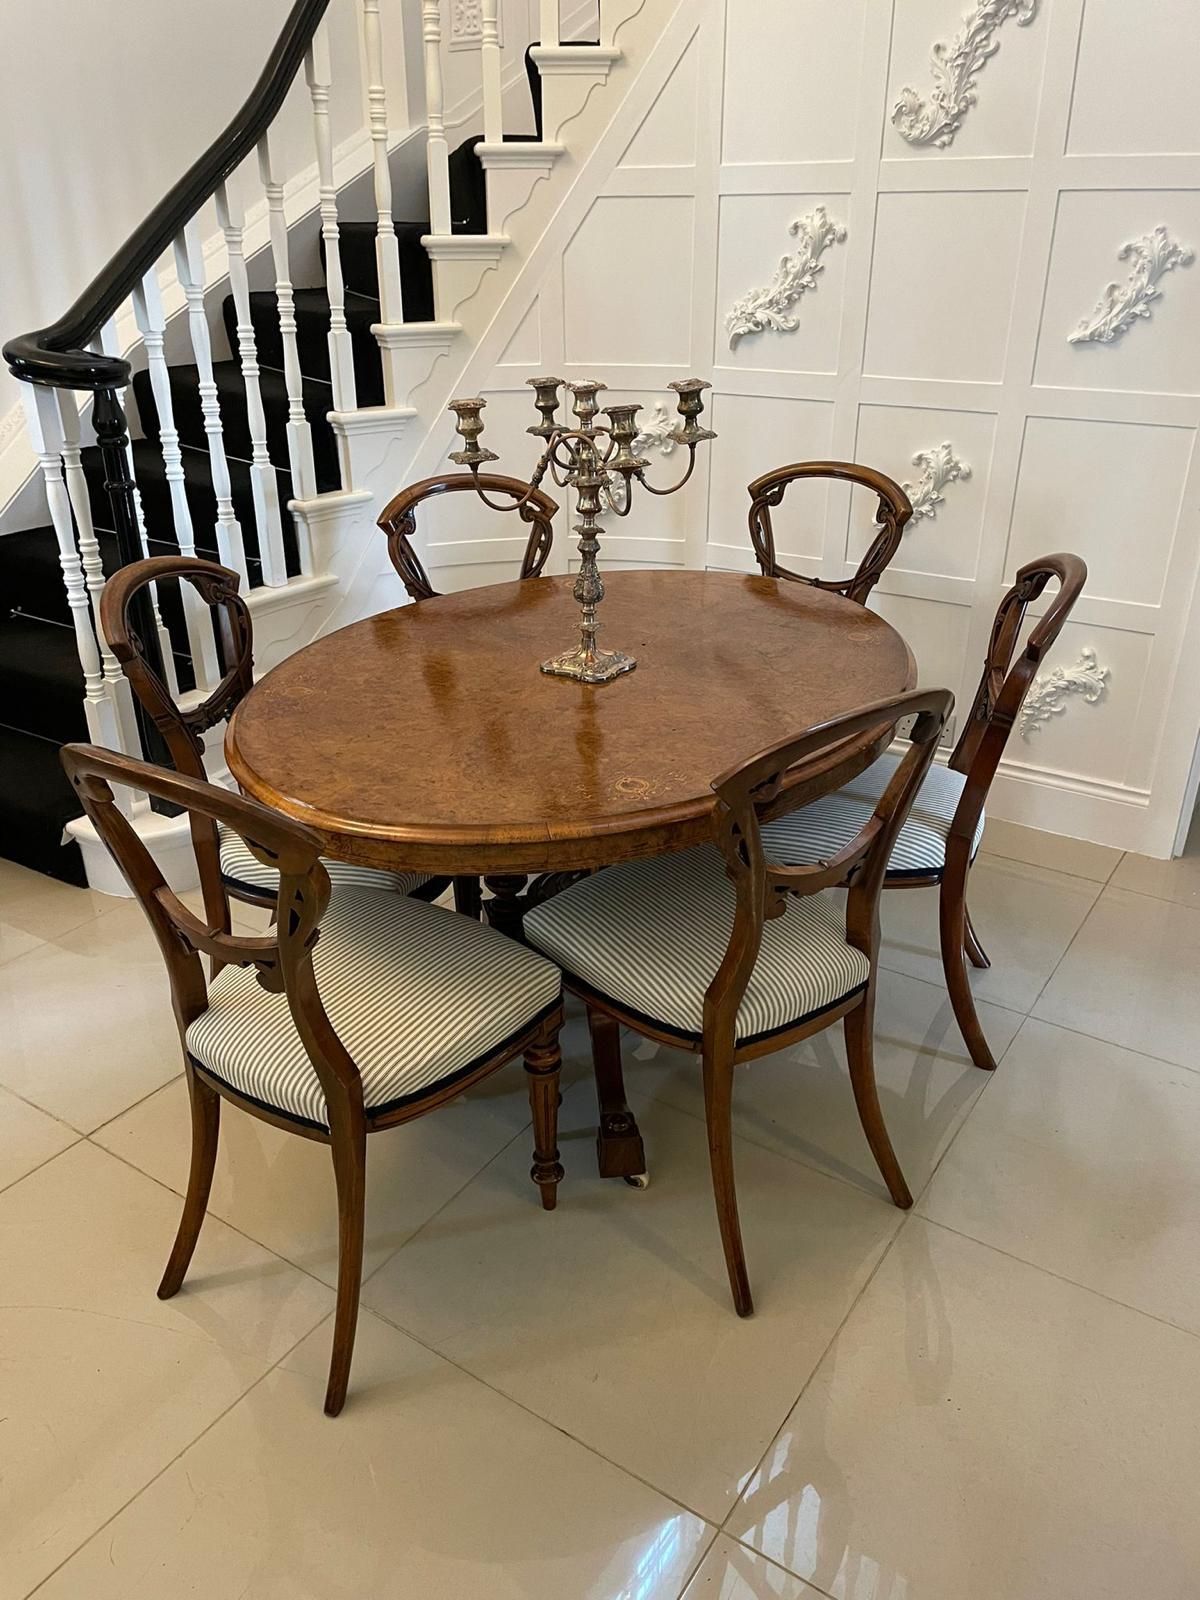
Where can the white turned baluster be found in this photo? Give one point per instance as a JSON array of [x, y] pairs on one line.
[[548, 22], [299, 434], [319, 75], [387, 251], [44, 421], [151, 321], [263, 483], [115, 686], [189, 268], [437, 152], [81, 507], [489, 66], [109, 343]]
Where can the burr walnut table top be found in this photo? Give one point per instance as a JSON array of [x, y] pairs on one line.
[[426, 737]]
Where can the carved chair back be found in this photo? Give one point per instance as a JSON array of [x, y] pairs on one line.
[[282, 957], [183, 729], [1005, 682], [399, 523], [894, 511], [762, 886]]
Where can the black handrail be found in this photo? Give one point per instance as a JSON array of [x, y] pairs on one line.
[[57, 355]]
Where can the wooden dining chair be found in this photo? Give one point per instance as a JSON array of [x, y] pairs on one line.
[[893, 512], [722, 951], [399, 523], [942, 834], [352, 1014], [245, 876]]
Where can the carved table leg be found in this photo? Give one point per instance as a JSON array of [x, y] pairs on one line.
[[619, 1149], [506, 911]]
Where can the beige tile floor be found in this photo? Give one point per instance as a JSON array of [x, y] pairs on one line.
[[992, 1398]]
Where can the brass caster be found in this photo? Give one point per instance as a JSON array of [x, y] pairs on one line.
[[638, 1180]]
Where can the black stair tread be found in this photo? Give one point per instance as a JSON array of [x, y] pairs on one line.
[[42, 678], [235, 417], [36, 803], [150, 474], [360, 272], [31, 578], [312, 336]]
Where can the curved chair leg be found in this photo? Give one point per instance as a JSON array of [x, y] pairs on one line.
[[543, 1062], [718, 1115], [349, 1146], [206, 1127], [468, 897], [859, 1028], [976, 954], [953, 919]]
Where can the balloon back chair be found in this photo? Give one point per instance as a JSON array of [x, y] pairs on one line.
[[894, 511], [350, 1015], [399, 523], [721, 950], [939, 841], [227, 625]]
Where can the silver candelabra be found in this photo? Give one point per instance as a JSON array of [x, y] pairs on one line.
[[588, 458]]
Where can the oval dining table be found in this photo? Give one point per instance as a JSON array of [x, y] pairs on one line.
[[427, 739]]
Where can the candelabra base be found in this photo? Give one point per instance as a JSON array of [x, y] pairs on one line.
[[586, 664]]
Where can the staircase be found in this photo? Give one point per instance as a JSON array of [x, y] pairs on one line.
[[220, 447]]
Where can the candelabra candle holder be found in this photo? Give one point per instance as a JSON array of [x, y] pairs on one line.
[[589, 457]]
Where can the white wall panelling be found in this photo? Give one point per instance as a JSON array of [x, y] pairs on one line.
[[1135, 86], [942, 317], [617, 317]]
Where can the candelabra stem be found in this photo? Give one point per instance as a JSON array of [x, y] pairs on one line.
[[585, 662]]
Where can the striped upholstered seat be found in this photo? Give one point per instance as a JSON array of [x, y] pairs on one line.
[[651, 934], [820, 830], [417, 995], [241, 869]]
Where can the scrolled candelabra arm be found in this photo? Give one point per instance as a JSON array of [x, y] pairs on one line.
[[691, 434], [674, 487], [618, 508]]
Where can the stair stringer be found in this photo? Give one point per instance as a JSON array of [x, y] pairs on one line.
[[653, 39]]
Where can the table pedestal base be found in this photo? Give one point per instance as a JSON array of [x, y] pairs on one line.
[[506, 909], [619, 1149]]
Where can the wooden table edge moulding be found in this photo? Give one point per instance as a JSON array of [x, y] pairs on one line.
[[426, 739]]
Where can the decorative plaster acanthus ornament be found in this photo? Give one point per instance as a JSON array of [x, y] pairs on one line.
[[768, 308], [939, 467], [936, 120], [1050, 692], [660, 432], [1122, 304]]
